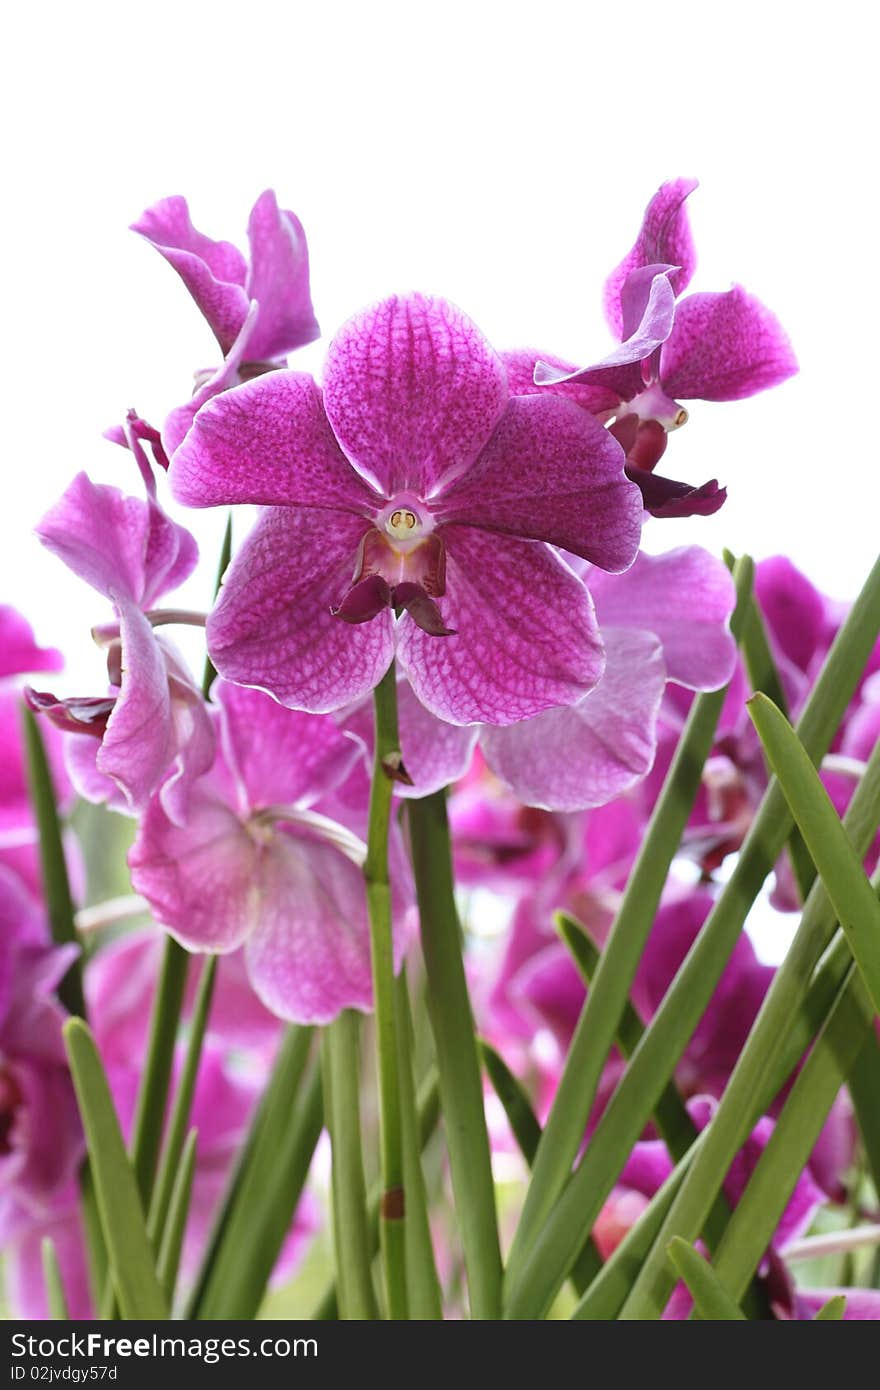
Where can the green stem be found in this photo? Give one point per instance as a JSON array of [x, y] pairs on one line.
[[386, 760], [423, 1286], [171, 1242], [794, 1135], [685, 1002], [179, 1122], [605, 1003], [428, 1115], [765, 1045], [351, 1237], [759, 1058], [265, 1189], [56, 885], [153, 1095], [55, 1297], [225, 556], [461, 1090]]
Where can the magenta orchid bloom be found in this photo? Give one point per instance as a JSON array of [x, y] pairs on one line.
[[260, 864], [154, 718], [711, 347], [259, 310], [41, 1142], [412, 482], [19, 651], [665, 619]]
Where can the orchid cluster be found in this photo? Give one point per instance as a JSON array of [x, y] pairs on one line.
[[471, 782]]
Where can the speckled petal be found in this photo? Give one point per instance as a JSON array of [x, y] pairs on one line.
[[413, 392], [213, 271], [267, 442], [664, 237], [525, 638], [724, 347], [273, 627], [551, 472], [278, 280]]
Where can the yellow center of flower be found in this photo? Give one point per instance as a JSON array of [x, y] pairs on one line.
[[401, 523], [680, 419]]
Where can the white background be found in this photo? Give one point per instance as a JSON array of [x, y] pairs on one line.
[[500, 154]]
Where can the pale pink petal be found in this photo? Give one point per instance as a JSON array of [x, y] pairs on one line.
[[525, 637], [413, 392], [309, 955], [589, 753], [19, 651], [685, 597], [139, 744], [281, 756]]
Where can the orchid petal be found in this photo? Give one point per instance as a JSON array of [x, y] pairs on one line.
[[413, 392], [724, 347], [525, 634], [664, 238], [273, 626], [279, 281]]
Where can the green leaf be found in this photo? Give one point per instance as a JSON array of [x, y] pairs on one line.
[[175, 1226], [56, 886], [122, 1219], [711, 1299], [600, 1016], [461, 1089], [607, 1293], [225, 556], [55, 1296], [351, 1240], [547, 1264], [854, 900], [393, 1211], [793, 1011], [153, 1094], [832, 1311], [264, 1192], [794, 1136], [527, 1132], [177, 1126], [864, 1089], [423, 1287]]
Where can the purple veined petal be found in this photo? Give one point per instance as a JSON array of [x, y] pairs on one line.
[[551, 472], [587, 754], [664, 238], [793, 609], [19, 651], [272, 626], [213, 271], [179, 422], [125, 547], [413, 392], [280, 756], [279, 280], [139, 744], [686, 597], [648, 303], [201, 879], [663, 497], [527, 370], [267, 442], [724, 347], [525, 638], [308, 957]]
